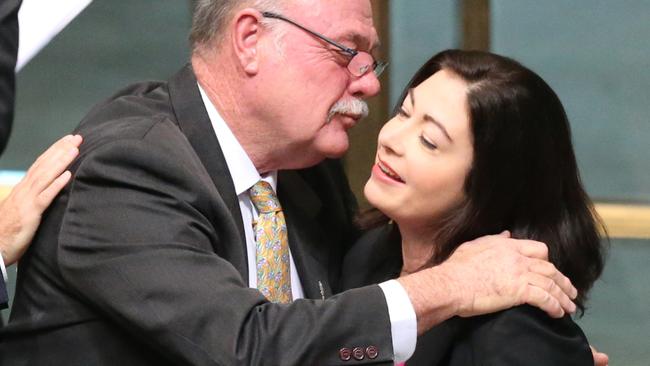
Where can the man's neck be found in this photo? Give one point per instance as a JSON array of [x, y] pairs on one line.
[[223, 86]]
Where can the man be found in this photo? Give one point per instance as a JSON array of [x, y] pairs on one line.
[[147, 257]]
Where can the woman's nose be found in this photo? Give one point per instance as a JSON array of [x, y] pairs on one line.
[[391, 137]]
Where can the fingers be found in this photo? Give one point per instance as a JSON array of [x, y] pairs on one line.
[[505, 234], [537, 297], [549, 289], [46, 197], [553, 290], [600, 359], [546, 293], [548, 270], [497, 272], [532, 248], [21, 211], [52, 163]]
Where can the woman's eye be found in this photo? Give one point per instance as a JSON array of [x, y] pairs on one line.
[[427, 144], [402, 113]]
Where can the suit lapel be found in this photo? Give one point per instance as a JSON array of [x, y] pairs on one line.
[[307, 238], [194, 122]]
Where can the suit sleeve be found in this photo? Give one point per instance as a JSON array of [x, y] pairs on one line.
[[139, 242], [8, 54], [527, 336]]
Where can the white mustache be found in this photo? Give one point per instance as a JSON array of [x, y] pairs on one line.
[[355, 107]]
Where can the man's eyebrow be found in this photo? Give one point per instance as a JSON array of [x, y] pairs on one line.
[[359, 40], [429, 118]]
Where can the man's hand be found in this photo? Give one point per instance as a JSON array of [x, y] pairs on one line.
[[486, 275], [20, 212]]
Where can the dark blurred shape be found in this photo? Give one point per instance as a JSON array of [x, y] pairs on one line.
[[8, 54]]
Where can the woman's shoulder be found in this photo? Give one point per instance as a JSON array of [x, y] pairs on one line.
[[374, 258], [525, 335]]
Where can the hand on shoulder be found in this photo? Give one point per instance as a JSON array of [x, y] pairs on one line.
[[20, 212], [489, 274]]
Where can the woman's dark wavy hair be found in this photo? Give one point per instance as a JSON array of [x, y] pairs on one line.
[[524, 177]]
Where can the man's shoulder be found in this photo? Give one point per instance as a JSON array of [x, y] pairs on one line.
[[132, 113], [132, 110]]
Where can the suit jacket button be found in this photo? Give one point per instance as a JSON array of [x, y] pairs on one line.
[[372, 352], [345, 354], [358, 353]]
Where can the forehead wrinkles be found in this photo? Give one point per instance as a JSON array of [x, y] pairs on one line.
[[341, 21], [355, 24], [306, 8]]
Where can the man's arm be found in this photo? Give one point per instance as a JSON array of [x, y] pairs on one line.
[[146, 240], [8, 54], [20, 212]]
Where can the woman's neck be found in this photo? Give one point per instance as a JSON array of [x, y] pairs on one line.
[[417, 249]]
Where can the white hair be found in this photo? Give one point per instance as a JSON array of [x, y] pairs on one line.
[[210, 17]]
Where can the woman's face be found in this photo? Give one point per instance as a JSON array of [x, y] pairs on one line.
[[424, 154]]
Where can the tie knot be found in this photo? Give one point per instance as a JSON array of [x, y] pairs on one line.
[[264, 198]]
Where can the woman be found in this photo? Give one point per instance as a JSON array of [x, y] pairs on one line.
[[479, 145]]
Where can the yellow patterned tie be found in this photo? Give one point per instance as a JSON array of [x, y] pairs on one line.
[[272, 252]]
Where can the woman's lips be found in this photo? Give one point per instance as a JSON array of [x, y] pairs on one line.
[[386, 171]]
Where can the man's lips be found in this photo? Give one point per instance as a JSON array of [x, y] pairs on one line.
[[348, 120], [388, 171]]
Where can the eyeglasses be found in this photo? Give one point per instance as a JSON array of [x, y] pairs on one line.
[[360, 62]]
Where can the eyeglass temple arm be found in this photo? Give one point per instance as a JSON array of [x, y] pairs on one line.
[[352, 52]]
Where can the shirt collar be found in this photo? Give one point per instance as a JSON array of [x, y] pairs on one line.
[[242, 171]]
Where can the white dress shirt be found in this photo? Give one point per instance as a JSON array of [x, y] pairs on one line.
[[3, 269], [244, 176]]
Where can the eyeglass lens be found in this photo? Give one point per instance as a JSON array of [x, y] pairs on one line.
[[363, 62]]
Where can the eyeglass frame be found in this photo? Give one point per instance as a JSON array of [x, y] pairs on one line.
[[378, 67]]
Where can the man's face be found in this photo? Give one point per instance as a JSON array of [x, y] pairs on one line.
[[306, 78]]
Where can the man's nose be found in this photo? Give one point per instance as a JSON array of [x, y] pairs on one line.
[[365, 86]]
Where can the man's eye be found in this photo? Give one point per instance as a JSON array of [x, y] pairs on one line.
[[342, 55], [427, 144]]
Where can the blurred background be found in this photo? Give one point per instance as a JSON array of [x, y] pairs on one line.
[[594, 53]]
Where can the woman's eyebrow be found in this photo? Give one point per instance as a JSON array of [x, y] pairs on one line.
[[440, 126], [430, 118]]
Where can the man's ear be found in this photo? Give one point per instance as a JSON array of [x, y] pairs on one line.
[[245, 33]]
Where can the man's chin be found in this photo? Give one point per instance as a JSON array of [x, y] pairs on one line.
[[337, 150]]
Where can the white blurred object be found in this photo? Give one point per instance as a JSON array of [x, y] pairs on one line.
[[42, 20]]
